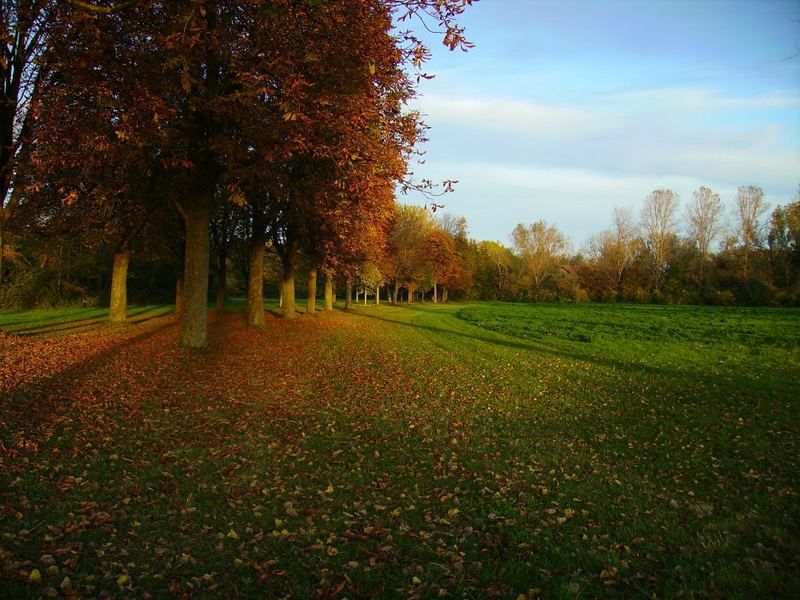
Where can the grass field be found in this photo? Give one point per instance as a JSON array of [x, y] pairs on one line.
[[470, 450]]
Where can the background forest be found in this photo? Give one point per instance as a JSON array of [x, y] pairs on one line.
[[708, 253]]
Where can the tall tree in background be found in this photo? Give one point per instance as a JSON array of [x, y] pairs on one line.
[[440, 252], [541, 247], [412, 225], [748, 210], [623, 243], [703, 219], [659, 224], [783, 242]]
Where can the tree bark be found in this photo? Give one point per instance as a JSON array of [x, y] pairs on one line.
[[222, 280], [287, 289], [179, 295], [194, 313], [311, 301], [444, 294], [435, 294], [255, 283], [394, 292], [378, 296], [287, 251], [119, 286], [410, 294], [2, 243], [328, 292], [348, 294]]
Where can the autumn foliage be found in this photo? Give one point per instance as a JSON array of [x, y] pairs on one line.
[[295, 112]]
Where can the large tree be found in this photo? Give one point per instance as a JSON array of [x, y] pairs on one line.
[[201, 77]]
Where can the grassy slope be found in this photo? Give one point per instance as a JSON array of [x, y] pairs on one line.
[[405, 451]]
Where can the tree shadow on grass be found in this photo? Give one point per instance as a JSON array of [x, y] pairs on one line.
[[39, 400], [61, 325]]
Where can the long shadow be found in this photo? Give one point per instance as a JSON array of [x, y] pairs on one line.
[[35, 399], [56, 326], [539, 347]]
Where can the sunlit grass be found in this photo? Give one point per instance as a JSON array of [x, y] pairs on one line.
[[51, 320]]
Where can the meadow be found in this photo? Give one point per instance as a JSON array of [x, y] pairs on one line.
[[464, 450]]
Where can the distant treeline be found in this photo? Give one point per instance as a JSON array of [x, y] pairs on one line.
[[746, 253]]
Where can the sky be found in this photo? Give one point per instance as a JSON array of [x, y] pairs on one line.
[[565, 110]]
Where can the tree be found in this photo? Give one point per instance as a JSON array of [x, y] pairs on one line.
[[23, 26], [783, 241], [658, 223], [219, 106], [493, 264], [621, 245], [749, 209], [440, 252], [703, 219], [370, 278], [412, 225], [541, 247]]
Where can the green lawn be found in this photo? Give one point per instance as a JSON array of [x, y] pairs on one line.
[[70, 320], [469, 450]]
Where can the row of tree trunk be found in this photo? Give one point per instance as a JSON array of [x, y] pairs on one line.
[[255, 288]]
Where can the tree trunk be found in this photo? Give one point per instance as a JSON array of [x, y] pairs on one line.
[[222, 280], [194, 313], [348, 294], [444, 294], [745, 270], [365, 296], [287, 289], [255, 284], [2, 243], [328, 292], [311, 301], [435, 294], [394, 292], [119, 286], [58, 269], [378, 296], [410, 294], [179, 295]]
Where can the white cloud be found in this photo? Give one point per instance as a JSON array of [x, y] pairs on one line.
[[520, 117], [704, 99]]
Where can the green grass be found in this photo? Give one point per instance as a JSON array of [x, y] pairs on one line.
[[72, 319], [469, 450]]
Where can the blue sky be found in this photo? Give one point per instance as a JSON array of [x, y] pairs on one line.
[[566, 109]]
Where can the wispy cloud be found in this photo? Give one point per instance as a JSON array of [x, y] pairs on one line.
[[670, 132], [704, 99], [513, 116]]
